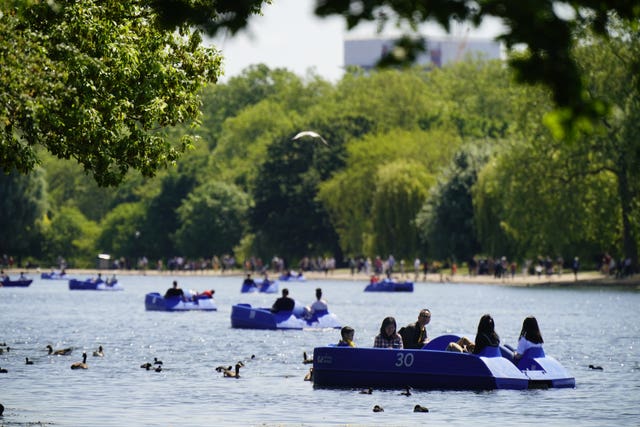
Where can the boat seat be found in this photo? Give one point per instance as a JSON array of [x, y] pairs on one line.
[[527, 361], [490, 351], [441, 342], [533, 352]]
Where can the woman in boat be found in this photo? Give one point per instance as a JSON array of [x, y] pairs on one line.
[[486, 335], [530, 336], [388, 337]]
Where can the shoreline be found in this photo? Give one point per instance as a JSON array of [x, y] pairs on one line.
[[587, 278]]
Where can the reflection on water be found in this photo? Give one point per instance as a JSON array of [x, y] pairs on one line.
[[580, 327]]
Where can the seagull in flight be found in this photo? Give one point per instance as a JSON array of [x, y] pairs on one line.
[[311, 134]]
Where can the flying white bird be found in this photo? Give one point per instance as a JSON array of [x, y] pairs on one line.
[[312, 135]]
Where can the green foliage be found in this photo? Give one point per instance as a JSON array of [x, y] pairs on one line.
[[161, 219], [21, 212], [545, 28], [542, 196], [446, 220], [286, 218], [93, 81], [212, 220], [401, 188], [71, 236], [121, 231], [349, 194], [388, 99], [392, 136]]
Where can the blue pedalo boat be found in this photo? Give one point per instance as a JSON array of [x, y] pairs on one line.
[[155, 302], [247, 317], [433, 368], [94, 285], [265, 286], [54, 275], [389, 285], [19, 283]]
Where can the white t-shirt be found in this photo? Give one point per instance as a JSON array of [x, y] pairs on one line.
[[319, 305], [524, 344]]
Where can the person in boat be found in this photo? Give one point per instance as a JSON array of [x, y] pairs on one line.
[[248, 281], [485, 337], [530, 336], [265, 281], [388, 337], [284, 303], [318, 305], [208, 294], [414, 335], [22, 276], [346, 337], [374, 279], [174, 291], [112, 281]]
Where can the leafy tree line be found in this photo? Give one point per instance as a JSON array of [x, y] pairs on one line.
[[444, 164]]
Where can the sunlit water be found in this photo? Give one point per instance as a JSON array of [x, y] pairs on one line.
[[580, 327]]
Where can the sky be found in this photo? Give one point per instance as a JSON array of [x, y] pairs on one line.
[[288, 35]]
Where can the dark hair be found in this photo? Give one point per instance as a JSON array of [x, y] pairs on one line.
[[531, 330], [386, 322], [346, 330], [285, 292], [486, 325], [318, 293]]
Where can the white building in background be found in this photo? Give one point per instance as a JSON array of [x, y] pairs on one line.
[[366, 52]]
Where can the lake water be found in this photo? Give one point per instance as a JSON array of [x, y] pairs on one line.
[[580, 326]]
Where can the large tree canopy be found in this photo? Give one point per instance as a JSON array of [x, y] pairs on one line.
[[545, 27], [95, 81]]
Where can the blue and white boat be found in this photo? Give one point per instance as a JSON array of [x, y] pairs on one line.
[[288, 277], [434, 368], [22, 282], [247, 317], [155, 302], [265, 286], [54, 275], [389, 285], [94, 284]]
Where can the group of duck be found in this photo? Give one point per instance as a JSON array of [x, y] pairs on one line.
[[377, 408], [156, 365], [59, 352]]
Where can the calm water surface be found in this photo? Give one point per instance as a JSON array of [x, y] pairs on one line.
[[580, 327]]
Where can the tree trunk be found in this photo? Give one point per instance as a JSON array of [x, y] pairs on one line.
[[629, 243]]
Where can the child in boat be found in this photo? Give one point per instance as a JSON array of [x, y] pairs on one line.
[[346, 334]]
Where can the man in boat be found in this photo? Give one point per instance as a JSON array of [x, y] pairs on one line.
[[248, 281], [284, 303], [174, 291], [414, 335]]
